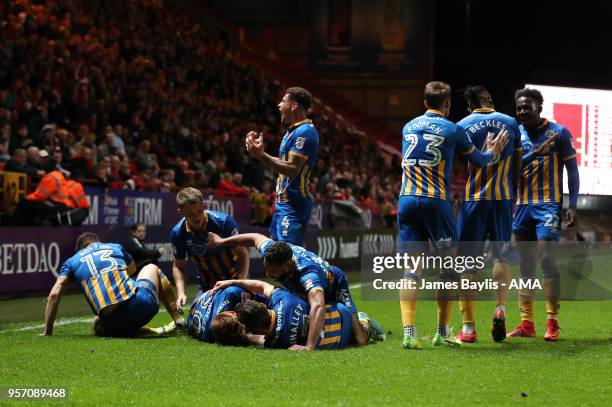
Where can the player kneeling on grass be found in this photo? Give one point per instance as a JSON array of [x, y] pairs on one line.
[[123, 306], [283, 322], [306, 275], [207, 305]]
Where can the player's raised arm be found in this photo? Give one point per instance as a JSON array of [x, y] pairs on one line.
[[242, 240], [53, 302], [290, 167]]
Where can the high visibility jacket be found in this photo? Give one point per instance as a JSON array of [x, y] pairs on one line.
[[52, 187], [77, 194]]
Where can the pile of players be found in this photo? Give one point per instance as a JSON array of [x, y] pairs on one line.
[[314, 309]]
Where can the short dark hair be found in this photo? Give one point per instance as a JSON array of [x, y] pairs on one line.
[[278, 253], [49, 165], [301, 96], [137, 225], [436, 93], [530, 93], [254, 315], [85, 239], [227, 330], [473, 95]]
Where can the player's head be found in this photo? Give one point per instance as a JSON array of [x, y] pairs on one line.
[[139, 230], [278, 260], [528, 107], [255, 316], [477, 97], [85, 239], [438, 96], [227, 330], [296, 101], [190, 204]]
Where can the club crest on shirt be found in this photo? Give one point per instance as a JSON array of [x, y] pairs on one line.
[[299, 142]]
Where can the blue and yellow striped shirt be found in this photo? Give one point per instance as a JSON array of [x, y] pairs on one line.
[[493, 182], [429, 143], [101, 269], [302, 140], [541, 180], [213, 264]]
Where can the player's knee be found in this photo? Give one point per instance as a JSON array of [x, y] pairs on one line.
[[150, 272], [549, 267]]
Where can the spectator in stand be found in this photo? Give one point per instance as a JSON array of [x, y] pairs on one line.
[[50, 198], [81, 70], [100, 176], [167, 181], [81, 163], [19, 163], [5, 136], [59, 157], [226, 185], [135, 246], [21, 138]]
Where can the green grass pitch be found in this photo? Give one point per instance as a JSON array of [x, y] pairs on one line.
[[182, 371]]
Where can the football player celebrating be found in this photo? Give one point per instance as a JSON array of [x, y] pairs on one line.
[[547, 148], [424, 211], [188, 237], [122, 306], [486, 212], [283, 322], [296, 158], [307, 275]]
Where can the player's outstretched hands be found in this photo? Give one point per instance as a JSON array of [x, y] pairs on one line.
[[546, 146], [497, 145], [220, 285], [254, 143]]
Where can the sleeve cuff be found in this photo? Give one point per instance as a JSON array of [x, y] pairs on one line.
[[298, 154], [470, 151]]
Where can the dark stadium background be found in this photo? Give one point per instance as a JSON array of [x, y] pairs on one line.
[[500, 44]]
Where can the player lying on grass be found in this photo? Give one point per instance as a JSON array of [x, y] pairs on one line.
[[122, 306], [208, 304], [305, 274], [282, 322]]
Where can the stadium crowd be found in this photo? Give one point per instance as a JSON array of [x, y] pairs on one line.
[[129, 95]]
